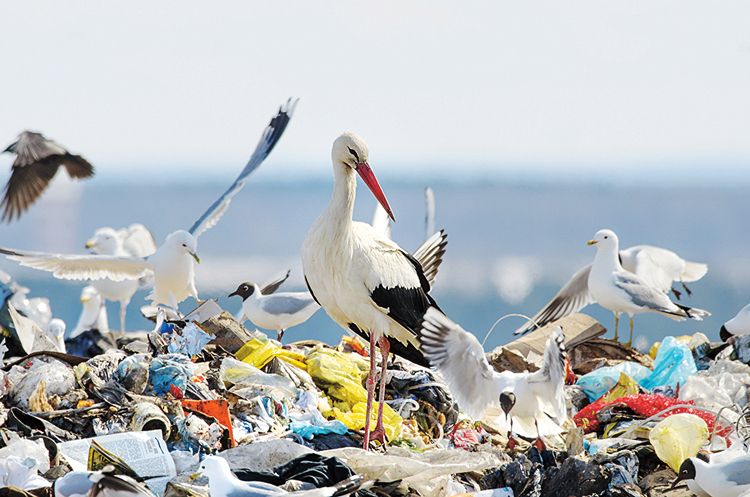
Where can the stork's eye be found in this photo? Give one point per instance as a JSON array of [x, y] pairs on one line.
[[184, 245], [354, 153]]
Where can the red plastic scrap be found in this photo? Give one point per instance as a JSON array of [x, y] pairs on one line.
[[644, 405], [217, 409]]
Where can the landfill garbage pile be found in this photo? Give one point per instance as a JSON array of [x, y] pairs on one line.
[[145, 412]]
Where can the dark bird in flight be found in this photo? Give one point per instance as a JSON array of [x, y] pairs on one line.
[[37, 160]]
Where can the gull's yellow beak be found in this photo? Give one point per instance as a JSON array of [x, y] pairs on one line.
[[85, 299], [194, 476], [195, 256], [90, 244], [591, 242]]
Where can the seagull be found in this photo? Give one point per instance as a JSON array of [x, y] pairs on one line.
[[727, 479], [653, 268], [537, 407], [738, 325], [365, 282], [56, 333], [99, 484], [135, 240], [37, 160], [223, 483], [274, 311], [173, 263], [93, 313]]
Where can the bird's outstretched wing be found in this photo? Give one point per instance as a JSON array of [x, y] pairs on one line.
[[550, 378], [138, 241], [381, 221], [82, 267], [37, 160], [571, 298], [459, 357], [274, 285], [429, 212], [430, 255], [268, 140]]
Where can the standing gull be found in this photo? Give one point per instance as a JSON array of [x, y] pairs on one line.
[[727, 479], [173, 263], [657, 267], [738, 325], [365, 282], [135, 240], [537, 407], [621, 291], [36, 163], [93, 313], [274, 311]]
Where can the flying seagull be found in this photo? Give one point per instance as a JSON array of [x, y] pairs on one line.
[[365, 282], [537, 407], [657, 267], [274, 311], [135, 240], [37, 160], [173, 263]]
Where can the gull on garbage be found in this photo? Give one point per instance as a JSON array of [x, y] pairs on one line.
[[173, 263], [37, 161], [56, 333], [537, 407], [363, 280], [93, 313], [274, 311], [617, 279], [737, 326], [223, 483], [719, 479], [136, 241]]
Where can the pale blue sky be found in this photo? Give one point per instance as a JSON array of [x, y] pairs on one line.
[[431, 85]]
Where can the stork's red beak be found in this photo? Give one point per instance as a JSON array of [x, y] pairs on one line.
[[363, 168]]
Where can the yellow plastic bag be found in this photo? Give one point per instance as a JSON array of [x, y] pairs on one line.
[[678, 437], [341, 376], [624, 386], [260, 351]]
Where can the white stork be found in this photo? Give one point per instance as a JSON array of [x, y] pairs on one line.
[[363, 280]]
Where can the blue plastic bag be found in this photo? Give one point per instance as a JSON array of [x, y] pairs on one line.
[[600, 381], [170, 369], [673, 365]]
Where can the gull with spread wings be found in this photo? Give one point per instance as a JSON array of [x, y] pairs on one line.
[[173, 263]]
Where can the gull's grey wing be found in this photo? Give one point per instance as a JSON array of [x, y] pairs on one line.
[[287, 303], [268, 141], [37, 160], [459, 357], [430, 255], [82, 267], [643, 295], [571, 298], [274, 285], [736, 471]]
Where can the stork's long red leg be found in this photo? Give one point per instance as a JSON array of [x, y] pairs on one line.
[[385, 348], [370, 391]]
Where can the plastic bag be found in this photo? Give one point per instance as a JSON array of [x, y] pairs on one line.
[[625, 386], [599, 381], [190, 342], [261, 350], [673, 365], [249, 381], [170, 371], [678, 437], [24, 380], [21, 461]]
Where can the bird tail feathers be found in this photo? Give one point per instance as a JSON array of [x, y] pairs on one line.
[[530, 427]]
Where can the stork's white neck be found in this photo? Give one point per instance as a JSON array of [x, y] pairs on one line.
[[341, 207]]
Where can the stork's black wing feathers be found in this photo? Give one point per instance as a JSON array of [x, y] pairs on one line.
[[408, 351]]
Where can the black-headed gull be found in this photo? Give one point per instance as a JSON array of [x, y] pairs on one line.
[[537, 407]]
